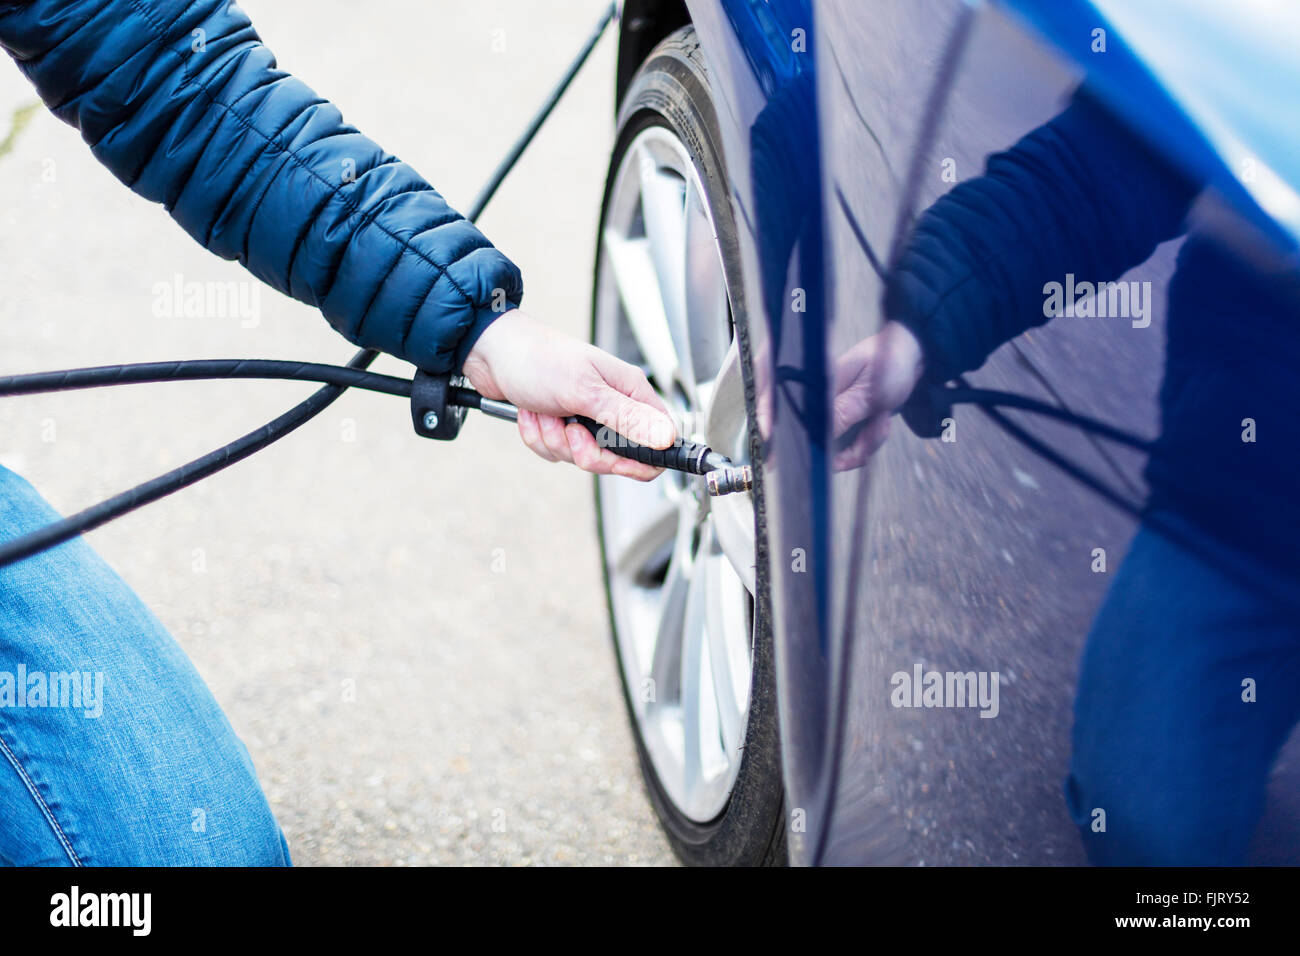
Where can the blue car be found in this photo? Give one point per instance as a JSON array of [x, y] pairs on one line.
[[1000, 301]]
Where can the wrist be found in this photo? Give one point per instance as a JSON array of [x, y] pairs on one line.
[[904, 349], [477, 344]]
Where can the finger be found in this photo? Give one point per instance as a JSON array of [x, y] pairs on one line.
[[531, 434], [589, 456], [630, 380], [586, 453], [557, 443], [854, 362], [630, 406], [852, 458], [867, 443], [853, 403], [850, 413], [854, 375], [637, 421], [878, 433], [627, 468]]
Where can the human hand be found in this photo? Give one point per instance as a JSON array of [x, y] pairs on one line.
[[550, 376], [872, 379]]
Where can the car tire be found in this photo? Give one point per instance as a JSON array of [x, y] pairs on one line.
[[672, 98]]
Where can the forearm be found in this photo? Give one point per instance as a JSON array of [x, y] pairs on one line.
[[184, 104]]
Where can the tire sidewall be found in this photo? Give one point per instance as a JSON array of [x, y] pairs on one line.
[[672, 90]]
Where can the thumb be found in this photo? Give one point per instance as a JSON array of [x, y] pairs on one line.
[[638, 421]]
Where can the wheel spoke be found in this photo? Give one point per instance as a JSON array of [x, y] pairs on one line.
[[727, 628], [706, 291], [699, 713], [665, 662], [663, 210], [725, 418], [638, 290], [726, 430], [649, 529], [733, 522]]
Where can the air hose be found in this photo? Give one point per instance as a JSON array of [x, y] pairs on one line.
[[683, 456], [932, 403], [200, 370], [339, 379]]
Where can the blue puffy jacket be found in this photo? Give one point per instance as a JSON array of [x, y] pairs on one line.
[[182, 102]]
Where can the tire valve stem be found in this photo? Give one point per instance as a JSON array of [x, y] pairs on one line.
[[726, 481], [725, 477]]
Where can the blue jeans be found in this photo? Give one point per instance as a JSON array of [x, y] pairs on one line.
[[1164, 742], [113, 752]]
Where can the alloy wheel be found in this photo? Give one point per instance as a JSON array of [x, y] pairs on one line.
[[680, 565]]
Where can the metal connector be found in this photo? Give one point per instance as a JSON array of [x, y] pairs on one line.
[[727, 481]]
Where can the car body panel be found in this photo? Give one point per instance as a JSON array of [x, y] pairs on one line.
[[978, 559], [977, 554]]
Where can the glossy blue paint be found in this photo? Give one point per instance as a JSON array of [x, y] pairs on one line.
[[1212, 85], [976, 555]]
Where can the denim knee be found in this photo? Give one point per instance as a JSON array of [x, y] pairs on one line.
[[132, 762]]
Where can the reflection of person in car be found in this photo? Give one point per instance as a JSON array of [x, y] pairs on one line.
[[1188, 683]]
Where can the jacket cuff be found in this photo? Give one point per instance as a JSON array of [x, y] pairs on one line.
[[909, 303], [484, 315]]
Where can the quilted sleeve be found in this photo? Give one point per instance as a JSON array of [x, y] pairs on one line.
[[183, 103]]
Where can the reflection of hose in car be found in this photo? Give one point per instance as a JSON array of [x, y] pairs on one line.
[[989, 400], [931, 404], [938, 400], [926, 411], [987, 397]]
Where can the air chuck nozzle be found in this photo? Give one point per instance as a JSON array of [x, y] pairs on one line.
[[726, 481]]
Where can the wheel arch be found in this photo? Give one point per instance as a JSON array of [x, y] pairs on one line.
[[642, 25]]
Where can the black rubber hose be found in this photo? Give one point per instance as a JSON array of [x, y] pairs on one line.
[[1077, 472], [991, 398], [508, 163], [96, 515], [688, 457], [60, 531], [200, 370]]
